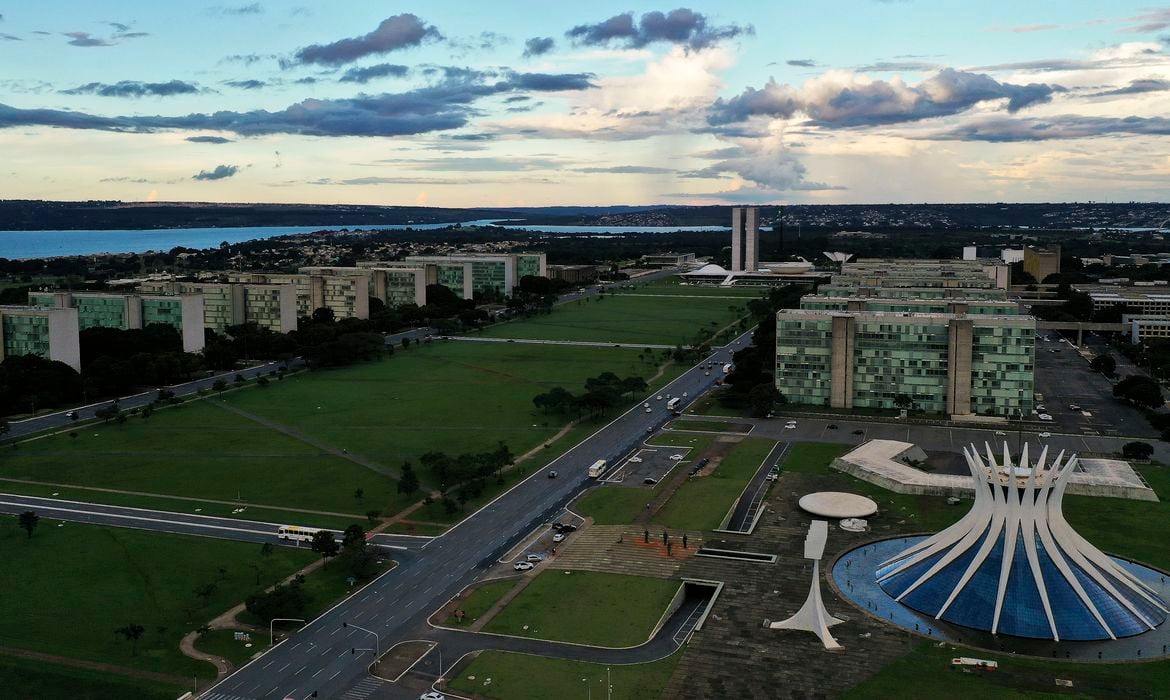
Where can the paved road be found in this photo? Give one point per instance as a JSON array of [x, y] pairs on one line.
[[578, 343], [752, 497], [59, 420], [319, 658], [178, 523]]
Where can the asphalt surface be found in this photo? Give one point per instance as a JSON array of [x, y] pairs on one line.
[[59, 419], [177, 523], [395, 605], [752, 497]]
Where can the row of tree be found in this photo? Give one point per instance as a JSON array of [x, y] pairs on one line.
[[602, 393]]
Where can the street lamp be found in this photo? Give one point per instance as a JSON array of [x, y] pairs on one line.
[[280, 619], [377, 639]]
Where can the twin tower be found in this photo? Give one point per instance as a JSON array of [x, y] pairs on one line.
[[745, 239]]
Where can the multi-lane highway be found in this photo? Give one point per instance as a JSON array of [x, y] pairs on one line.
[[329, 657]]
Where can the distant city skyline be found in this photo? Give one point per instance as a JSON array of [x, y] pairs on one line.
[[529, 104]]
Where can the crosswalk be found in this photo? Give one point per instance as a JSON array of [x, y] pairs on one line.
[[222, 696], [364, 689]]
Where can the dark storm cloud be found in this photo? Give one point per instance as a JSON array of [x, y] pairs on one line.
[[208, 139], [394, 33], [473, 137], [448, 104], [1068, 126], [538, 46], [681, 26], [218, 173], [368, 73], [1137, 87], [878, 102], [134, 88], [802, 62]]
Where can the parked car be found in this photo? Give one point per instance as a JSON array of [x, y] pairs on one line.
[[789, 426], [432, 695], [534, 558], [676, 457], [1000, 433], [558, 537], [649, 481], [1045, 435], [859, 432], [1044, 417], [568, 527], [523, 566], [1074, 407], [552, 473], [771, 476], [832, 426], [636, 460]]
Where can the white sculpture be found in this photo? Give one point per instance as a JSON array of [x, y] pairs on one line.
[[812, 616]]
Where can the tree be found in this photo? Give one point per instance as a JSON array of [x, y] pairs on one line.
[[132, 633], [1137, 450], [1105, 364], [219, 385], [763, 398], [903, 401], [205, 592], [405, 343], [373, 515], [1139, 390], [325, 544], [353, 535], [282, 601], [323, 315], [408, 482], [28, 522], [359, 494]]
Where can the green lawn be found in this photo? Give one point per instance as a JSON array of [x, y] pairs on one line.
[[508, 676], [616, 505], [1133, 528], [586, 607], [813, 457], [451, 396], [200, 450], [481, 600], [702, 502], [29, 679], [926, 673], [68, 588], [224, 644], [626, 319]]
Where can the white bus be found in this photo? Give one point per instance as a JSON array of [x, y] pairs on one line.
[[296, 533], [727, 368], [597, 469], [674, 404]]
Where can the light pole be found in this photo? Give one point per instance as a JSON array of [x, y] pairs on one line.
[[280, 619], [609, 684], [377, 639], [588, 689]]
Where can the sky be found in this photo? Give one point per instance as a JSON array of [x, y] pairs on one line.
[[462, 104]]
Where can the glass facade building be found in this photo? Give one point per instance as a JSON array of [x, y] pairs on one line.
[[50, 332]]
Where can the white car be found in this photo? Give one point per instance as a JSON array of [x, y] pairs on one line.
[[636, 460], [660, 397], [523, 566], [646, 405], [1045, 435], [790, 426], [534, 558], [1000, 433], [1042, 408], [558, 537], [1044, 416], [649, 410], [676, 457], [433, 695]]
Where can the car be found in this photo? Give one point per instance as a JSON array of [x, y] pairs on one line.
[[676, 457], [568, 527], [649, 481], [650, 429], [660, 397], [859, 432], [668, 396], [534, 558], [646, 405], [1041, 408], [1044, 417], [684, 394], [523, 566], [552, 473], [706, 374], [1046, 435], [790, 426], [772, 476], [832, 426], [71, 414], [433, 695], [649, 410], [636, 460], [560, 536]]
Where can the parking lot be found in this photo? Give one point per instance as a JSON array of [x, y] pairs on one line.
[[1063, 378], [649, 462]]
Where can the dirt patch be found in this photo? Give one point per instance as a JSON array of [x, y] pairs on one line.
[[395, 662]]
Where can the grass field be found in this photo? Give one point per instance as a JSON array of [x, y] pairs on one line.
[[813, 457], [223, 643], [68, 588], [626, 319], [481, 600], [702, 503], [619, 505], [507, 676], [200, 450], [671, 286], [586, 607], [925, 673], [26, 678]]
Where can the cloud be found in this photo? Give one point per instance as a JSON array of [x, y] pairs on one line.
[[139, 180], [681, 26], [219, 173], [896, 67], [1025, 28], [473, 137], [538, 46], [1067, 126], [208, 139], [254, 8], [368, 73], [248, 84], [628, 170], [445, 105], [134, 88], [484, 41], [842, 99], [85, 39], [802, 62], [10, 37], [394, 33], [1137, 87], [88, 40], [1153, 21], [247, 58]]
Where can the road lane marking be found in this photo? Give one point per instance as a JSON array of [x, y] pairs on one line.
[[315, 674], [281, 669]]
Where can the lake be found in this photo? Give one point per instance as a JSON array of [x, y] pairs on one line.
[[17, 245]]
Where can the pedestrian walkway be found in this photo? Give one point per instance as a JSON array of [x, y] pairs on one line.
[[626, 549]]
